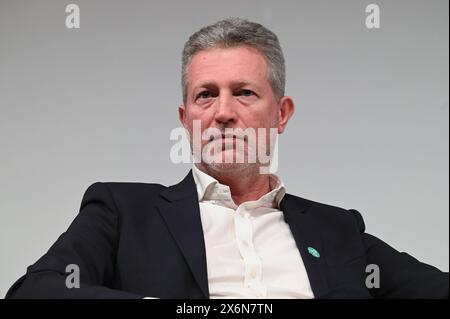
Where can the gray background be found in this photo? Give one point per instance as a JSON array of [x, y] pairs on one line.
[[370, 130]]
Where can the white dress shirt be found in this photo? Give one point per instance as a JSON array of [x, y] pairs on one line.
[[250, 250]]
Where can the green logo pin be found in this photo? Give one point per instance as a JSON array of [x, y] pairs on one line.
[[313, 252]]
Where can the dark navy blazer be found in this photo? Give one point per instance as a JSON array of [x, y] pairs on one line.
[[132, 240]]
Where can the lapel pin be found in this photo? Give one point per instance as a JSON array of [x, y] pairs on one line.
[[313, 252]]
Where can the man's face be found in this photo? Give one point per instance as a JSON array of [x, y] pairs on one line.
[[229, 88]]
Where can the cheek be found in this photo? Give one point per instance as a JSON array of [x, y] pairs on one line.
[[264, 118], [198, 117], [205, 117], [272, 116]]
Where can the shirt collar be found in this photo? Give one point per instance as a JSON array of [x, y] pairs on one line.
[[209, 188]]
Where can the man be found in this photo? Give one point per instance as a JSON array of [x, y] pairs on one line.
[[228, 230]]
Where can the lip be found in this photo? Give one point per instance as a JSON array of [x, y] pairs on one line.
[[227, 136]]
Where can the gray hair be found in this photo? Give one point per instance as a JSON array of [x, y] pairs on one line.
[[234, 32]]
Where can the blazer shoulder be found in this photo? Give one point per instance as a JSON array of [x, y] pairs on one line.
[[125, 188], [122, 194], [334, 215], [134, 190], [134, 186]]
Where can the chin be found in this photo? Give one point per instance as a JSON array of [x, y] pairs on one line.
[[228, 167], [219, 165]]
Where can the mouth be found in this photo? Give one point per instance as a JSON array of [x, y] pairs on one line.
[[227, 136]]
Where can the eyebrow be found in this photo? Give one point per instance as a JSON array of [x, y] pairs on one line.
[[234, 84]]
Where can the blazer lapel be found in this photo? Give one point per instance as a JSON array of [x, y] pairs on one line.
[[306, 232], [181, 213]]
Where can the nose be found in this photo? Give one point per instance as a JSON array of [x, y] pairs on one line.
[[225, 110]]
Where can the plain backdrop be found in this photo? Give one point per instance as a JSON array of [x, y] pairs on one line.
[[370, 132]]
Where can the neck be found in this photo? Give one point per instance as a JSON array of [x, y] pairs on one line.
[[245, 184]]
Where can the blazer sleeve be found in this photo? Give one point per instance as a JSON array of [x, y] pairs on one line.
[[91, 243], [401, 275]]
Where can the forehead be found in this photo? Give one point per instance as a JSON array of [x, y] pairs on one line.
[[226, 65]]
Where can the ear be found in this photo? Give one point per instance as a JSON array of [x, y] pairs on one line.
[[182, 115], [285, 111]]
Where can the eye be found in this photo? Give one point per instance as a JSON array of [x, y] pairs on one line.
[[246, 93], [204, 95]]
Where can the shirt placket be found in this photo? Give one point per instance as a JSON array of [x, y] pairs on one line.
[[251, 260]]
